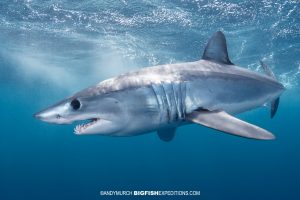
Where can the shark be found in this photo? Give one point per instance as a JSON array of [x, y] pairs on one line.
[[208, 92]]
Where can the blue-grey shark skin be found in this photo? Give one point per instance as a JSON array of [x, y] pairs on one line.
[[161, 97]]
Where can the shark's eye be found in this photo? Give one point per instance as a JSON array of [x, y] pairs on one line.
[[75, 104]]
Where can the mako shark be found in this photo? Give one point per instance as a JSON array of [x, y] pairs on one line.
[[161, 98]]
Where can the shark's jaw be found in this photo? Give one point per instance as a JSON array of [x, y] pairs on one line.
[[80, 128], [97, 126]]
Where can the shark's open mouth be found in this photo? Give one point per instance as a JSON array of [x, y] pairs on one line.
[[81, 127]]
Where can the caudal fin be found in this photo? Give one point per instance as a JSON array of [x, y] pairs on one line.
[[274, 107], [275, 103]]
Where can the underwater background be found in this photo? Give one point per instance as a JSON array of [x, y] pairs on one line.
[[51, 49]]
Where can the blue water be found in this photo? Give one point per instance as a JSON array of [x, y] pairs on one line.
[[51, 49]]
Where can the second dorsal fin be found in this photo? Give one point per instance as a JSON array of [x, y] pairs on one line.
[[216, 49], [267, 70]]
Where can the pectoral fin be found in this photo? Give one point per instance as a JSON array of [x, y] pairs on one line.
[[222, 121], [166, 134]]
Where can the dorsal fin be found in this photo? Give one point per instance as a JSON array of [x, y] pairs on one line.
[[216, 49], [267, 70]]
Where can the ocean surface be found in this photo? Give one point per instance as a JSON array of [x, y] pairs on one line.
[[51, 49]]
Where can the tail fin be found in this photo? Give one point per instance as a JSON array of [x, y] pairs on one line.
[[274, 107], [275, 103]]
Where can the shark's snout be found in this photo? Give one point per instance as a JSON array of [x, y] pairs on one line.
[[39, 116], [45, 116], [50, 116]]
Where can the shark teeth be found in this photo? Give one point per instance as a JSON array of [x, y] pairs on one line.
[[81, 127]]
